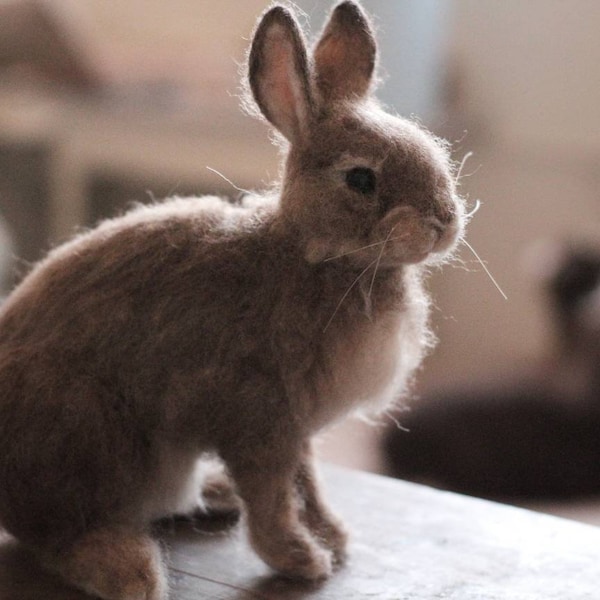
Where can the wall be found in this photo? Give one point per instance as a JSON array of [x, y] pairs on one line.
[[196, 41], [528, 97]]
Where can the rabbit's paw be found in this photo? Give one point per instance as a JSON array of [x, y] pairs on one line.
[[112, 565], [333, 535], [327, 529], [218, 494], [302, 560]]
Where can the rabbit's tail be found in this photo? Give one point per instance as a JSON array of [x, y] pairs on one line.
[[112, 564]]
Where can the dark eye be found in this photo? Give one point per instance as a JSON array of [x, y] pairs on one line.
[[361, 179]]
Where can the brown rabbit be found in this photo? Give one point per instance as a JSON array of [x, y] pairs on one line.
[[194, 326]]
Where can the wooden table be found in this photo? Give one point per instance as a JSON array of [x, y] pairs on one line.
[[409, 543]]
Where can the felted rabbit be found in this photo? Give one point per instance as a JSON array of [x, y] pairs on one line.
[[194, 326]]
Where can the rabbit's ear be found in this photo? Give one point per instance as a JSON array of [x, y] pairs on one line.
[[346, 54], [279, 73]]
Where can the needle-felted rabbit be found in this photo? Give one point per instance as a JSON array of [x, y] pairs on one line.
[[195, 326]]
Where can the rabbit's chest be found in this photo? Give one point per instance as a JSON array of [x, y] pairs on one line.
[[372, 367]]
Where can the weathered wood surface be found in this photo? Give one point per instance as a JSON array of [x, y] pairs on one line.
[[409, 543]]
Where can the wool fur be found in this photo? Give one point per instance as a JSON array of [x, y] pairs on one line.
[[193, 326]]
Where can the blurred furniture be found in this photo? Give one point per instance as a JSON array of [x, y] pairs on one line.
[[32, 39], [408, 542], [76, 145], [79, 140]]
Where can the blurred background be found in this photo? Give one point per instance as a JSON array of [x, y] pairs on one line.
[[105, 102]]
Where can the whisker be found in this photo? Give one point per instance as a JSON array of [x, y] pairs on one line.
[[354, 251], [464, 175], [475, 209], [363, 248], [339, 304], [387, 239], [462, 165], [460, 175], [484, 267], [235, 187]]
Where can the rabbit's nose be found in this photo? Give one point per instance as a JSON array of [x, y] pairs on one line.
[[446, 234], [445, 212]]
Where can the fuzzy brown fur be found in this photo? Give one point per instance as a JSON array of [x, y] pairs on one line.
[[193, 326]]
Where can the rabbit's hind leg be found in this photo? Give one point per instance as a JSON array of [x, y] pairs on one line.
[[211, 494], [112, 564], [218, 493], [216, 505]]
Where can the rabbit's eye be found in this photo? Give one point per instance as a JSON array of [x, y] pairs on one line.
[[361, 179]]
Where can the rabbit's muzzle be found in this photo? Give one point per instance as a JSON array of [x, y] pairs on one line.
[[410, 237], [447, 235]]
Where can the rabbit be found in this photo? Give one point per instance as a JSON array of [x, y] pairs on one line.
[[194, 326], [529, 438]]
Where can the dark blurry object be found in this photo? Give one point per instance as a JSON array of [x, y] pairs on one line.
[[35, 45], [24, 188], [537, 438]]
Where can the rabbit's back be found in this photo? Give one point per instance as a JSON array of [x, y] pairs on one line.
[[107, 289], [92, 342]]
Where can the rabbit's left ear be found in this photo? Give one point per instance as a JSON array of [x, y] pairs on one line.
[[346, 54], [279, 73]]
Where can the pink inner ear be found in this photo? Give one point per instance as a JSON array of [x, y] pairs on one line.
[[283, 87], [332, 52], [343, 67]]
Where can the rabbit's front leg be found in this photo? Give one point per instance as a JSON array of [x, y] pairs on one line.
[[323, 524], [276, 531]]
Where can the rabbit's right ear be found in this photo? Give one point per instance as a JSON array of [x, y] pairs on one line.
[[279, 73]]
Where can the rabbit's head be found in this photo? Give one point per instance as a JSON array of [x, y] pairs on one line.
[[358, 181]]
